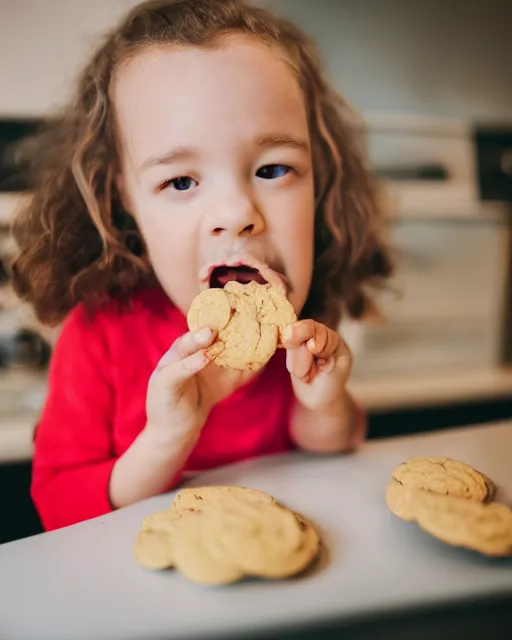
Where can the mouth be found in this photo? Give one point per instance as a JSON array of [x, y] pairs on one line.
[[243, 274], [244, 269]]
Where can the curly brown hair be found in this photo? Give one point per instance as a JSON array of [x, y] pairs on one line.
[[76, 243]]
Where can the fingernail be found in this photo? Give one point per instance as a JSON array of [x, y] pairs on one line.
[[288, 333], [311, 344]]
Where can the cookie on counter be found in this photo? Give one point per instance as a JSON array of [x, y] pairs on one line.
[[450, 500], [446, 477], [197, 498], [486, 528], [219, 535], [480, 526], [401, 500]]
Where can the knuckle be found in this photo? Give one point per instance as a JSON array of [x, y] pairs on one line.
[[310, 325], [185, 344], [306, 326]]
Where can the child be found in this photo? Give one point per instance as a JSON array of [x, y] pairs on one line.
[[202, 135]]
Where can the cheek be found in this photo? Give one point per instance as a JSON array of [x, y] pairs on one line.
[[171, 245], [165, 237], [296, 242], [301, 250]]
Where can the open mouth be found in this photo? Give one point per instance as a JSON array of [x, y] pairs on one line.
[[243, 274], [244, 269]]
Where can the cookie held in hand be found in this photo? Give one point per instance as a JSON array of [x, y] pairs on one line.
[[250, 320]]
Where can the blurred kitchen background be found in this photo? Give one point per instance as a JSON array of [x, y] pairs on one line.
[[433, 80]]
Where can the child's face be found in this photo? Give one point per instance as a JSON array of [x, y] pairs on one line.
[[217, 166]]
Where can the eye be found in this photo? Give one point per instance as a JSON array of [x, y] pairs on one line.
[[183, 183], [273, 171]]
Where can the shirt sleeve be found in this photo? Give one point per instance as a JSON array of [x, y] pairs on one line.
[[73, 457]]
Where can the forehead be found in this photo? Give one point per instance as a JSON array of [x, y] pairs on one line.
[[191, 95]]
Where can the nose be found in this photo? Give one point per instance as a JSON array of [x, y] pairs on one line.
[[236, 215]]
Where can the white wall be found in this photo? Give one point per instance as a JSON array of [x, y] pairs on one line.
[[434, 57], [439, 57], [42, 44]]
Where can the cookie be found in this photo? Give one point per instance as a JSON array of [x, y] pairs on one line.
[[165, 520], [491, 488], [250, 320], [210, 309], [444, 476], [486, 528], [266, 346], [239, 339], [309, 549], [480, 526], [197, 498], [284, 314], [400, 500], [218, 535], [261, 539], [272, 306], [192, 546], [154, 549]]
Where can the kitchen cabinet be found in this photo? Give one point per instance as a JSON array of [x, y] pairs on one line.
[[18, 517]]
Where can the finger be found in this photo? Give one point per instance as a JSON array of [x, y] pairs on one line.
[[298, 333], [175, 373], [333, 346], [299, 362], [327, 366], [312, 374], [325, 344], [185, 358], [321, 341], [342, 352], [187, 345]]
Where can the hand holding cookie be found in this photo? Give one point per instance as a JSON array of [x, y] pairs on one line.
[[252, 320], [182, 390], [238, 328], [174, 406]]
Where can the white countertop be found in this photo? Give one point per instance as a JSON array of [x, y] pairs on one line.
[[383, 393], [82, 582]]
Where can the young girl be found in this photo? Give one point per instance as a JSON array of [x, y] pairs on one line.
[[202, 135]]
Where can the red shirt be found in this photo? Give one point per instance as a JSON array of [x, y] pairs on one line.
[[95, 407]]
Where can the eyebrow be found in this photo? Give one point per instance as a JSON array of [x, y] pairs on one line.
[[283, 141], [181, 154]]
